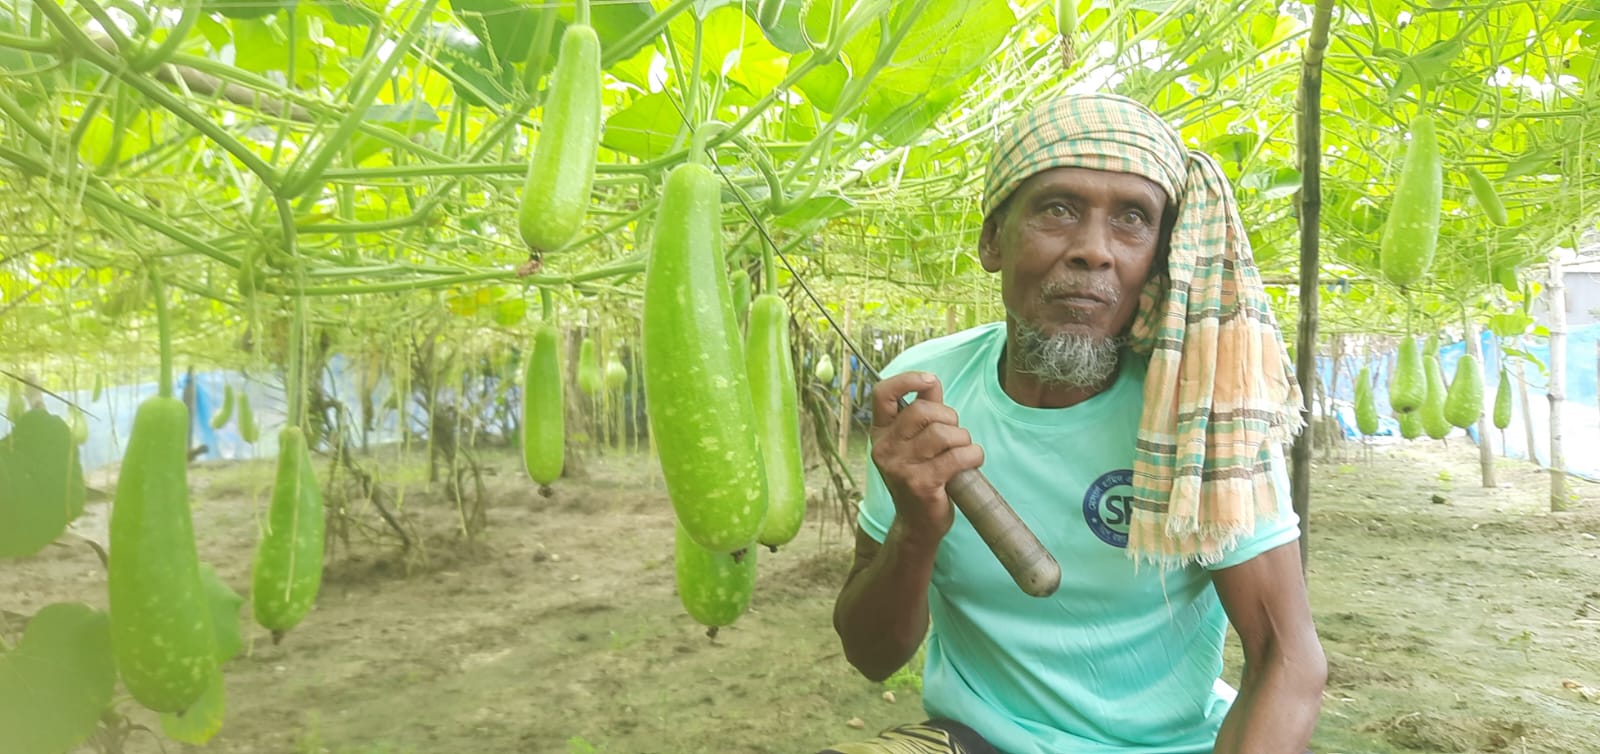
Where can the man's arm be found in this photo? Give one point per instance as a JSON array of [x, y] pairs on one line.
[[882, 611], [1280, 693]]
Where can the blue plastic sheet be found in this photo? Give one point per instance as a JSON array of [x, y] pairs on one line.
[[1580, 413]]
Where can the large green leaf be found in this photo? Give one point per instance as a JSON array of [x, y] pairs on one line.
[[203, 719], [784, 33], [225, 604], [645, 128], [507, 27], [41, 483], [814, 211], [614, 20], [57, 681], [939, 57], [468, 60], [408, 118]]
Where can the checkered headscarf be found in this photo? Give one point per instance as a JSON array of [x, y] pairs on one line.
[[1220, 387]]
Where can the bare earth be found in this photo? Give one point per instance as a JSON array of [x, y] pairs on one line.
[[1464, 626]]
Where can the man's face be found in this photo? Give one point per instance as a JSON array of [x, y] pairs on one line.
[[1074, 247]]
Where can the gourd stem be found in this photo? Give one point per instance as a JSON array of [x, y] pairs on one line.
[[164, 329], [703, 135], [583, 12], [547, 305]]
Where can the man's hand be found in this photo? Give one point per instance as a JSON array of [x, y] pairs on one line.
[[917, 450]]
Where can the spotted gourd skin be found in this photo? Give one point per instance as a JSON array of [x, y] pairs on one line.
[[695, 383], [714, 587], [1411, 233], [555, 195], [772, 389], [544, 438], [288, 565], [160, 620]]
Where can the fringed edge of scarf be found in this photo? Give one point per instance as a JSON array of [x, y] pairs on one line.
[[1212, 308]]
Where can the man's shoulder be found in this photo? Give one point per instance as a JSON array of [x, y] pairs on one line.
[[946, 352]]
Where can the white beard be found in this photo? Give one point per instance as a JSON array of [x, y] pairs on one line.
[[1066, 359]]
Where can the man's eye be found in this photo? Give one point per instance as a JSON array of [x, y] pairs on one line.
[[1057, 209], [1135, 217]]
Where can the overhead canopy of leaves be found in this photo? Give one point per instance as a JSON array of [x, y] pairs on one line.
[[873, 120]]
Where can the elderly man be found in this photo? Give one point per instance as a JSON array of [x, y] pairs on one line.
[[1132, 409]]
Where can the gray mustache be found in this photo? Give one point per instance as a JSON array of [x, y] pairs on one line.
[[1070, 286]]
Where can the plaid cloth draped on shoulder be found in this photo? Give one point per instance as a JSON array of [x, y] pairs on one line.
[[1220, 386]]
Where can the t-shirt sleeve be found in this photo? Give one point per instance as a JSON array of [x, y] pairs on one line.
[[877, 508], [1282, 530]]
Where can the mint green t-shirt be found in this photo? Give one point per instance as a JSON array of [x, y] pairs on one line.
[[1114, 661]]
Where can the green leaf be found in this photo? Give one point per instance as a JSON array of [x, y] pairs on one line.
[[41, 483], [510, 312], [644, 129], [943, 51], [1232, 147], [614, 20], [507, 27], [823, 84], [225, 604], [350, 12], [246, 9], [815, 209], [1509, 325], [784, 33], [203, 719], [1272, 183], [58, 680], [468, 59], [409, 118]]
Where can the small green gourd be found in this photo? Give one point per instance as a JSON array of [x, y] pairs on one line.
[[1502, 400]]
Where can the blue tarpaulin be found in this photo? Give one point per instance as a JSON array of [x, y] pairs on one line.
[[1580, 412]]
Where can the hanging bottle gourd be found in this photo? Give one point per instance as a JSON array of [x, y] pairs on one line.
[[1463, 404], [697, 391], [543, 407], [1502, 399], [1409, 386], [288, 564], [556, 193], [1433, 421], [1411, 232], [160, 619], [589, 380], [772, 386], [1366, 405]]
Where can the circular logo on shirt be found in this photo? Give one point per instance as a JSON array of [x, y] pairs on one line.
[[1108, 506]]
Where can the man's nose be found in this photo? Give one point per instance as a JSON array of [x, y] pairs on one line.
[[1090, 247]]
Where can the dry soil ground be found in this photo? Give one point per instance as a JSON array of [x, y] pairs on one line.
[[1471, 625]]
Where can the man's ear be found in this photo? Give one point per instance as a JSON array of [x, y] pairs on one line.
[[988, 241]]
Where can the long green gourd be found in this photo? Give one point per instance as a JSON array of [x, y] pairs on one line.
[[555, 195], [1411, 232], [1502, 399], [160, 618], [1366, 404], [1433, 421], [696, 387], [543, 408], [288, 566], [772, 388], [714, 587], [1463, 403], [1409, 386]]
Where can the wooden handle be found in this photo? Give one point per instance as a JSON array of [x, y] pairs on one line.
[[1030, 565]]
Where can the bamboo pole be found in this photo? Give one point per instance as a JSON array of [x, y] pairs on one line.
[[1310, 201]]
